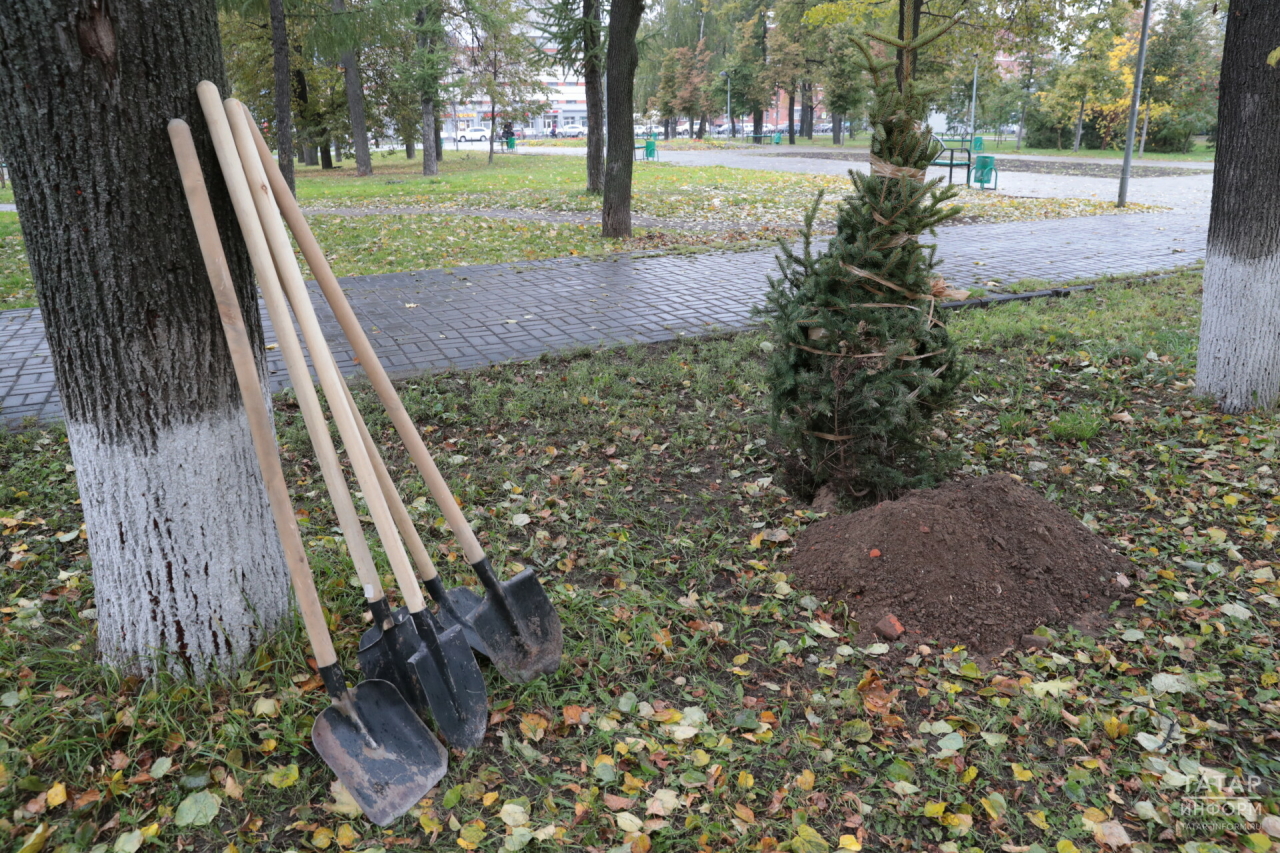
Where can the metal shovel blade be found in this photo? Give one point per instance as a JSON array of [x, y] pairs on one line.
[[434, 670], [515, 625], [379, 750]]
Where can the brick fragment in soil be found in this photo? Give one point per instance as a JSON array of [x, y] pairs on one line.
[[980, 562]]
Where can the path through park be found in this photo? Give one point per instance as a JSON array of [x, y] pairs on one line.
[[468, 316]]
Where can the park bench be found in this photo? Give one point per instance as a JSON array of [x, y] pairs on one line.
[[956, 154], [647, 149]]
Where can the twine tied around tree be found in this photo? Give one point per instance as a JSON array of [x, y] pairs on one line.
[[885, 169]]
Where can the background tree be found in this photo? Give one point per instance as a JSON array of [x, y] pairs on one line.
[[621, 60], [502, 61], [861, 359], [187, 569], [574, 28], [1239, 361]]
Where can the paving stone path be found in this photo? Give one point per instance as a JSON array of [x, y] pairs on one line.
[[469, 316]]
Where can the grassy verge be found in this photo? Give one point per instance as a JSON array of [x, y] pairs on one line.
[[16, 286], [745, 209], [705, 703]]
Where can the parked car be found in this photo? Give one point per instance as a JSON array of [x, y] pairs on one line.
[[573, 131], [473, 134]]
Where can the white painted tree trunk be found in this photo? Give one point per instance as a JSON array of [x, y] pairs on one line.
[[188, 571], [1239, 360], [186, 562]]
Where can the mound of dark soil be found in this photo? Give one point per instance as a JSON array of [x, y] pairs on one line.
[[979, 562]]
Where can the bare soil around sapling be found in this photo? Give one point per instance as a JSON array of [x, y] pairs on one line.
[[979, 562]]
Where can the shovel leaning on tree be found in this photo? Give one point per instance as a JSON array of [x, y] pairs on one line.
[[372, 740], [515, 624], [431, 665]]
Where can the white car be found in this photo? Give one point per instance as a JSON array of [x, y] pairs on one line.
[[473, 134]]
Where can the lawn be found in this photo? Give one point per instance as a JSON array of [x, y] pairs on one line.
[[705, 206], [705, 702]]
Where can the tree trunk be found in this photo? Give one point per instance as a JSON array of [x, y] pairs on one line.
[[430, 132], [1239, 359], [837, 128], [594, 85], [791, 117], [493, 122], [702, 124], [806, 110], [355, 105], [337, 150], [757, 125], [908, 28], [435, 118], [1146, 118], [283, 94], [430, 154], [1075, 146], [408, 147], [326, 159], [1022, 123], [624, 21], [187, 568]]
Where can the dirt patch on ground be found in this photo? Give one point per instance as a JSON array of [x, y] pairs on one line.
[[979, 562]]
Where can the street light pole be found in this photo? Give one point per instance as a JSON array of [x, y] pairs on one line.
[[728, 101], [973, 103], [1133, 107]]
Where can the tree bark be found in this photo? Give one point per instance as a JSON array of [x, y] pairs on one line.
[[430, 144], [806, 110], [430, 152], [622, 58], [408, 148], [1239, 359], [283, 93], [1146, 118], [594, 85], [326, 157], [908, 16], [187, 568], [837, 129], [355, 106], [757, 125], [1075, 146], [791, 116]]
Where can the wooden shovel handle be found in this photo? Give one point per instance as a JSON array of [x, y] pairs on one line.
[[294, 359], [351, 327], [404, 522], [295, 289], [260, 425]]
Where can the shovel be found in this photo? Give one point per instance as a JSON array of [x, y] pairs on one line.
[[432, 666], [377, 747], [514, 625]]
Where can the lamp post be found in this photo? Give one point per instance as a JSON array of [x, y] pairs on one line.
[[728, 101], [1133, 107], [973, 103]]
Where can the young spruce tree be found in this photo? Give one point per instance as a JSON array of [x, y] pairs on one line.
[[861, 359]]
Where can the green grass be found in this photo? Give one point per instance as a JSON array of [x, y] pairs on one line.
[[648, 474], [1200, 153], [16, 287], [748, 209]]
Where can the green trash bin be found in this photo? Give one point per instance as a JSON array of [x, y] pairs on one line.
[[777, 138], [651, 149], [977, 143], [511, 143], [986, 172]]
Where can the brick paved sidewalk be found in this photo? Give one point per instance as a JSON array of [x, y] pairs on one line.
[[478, 315]]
